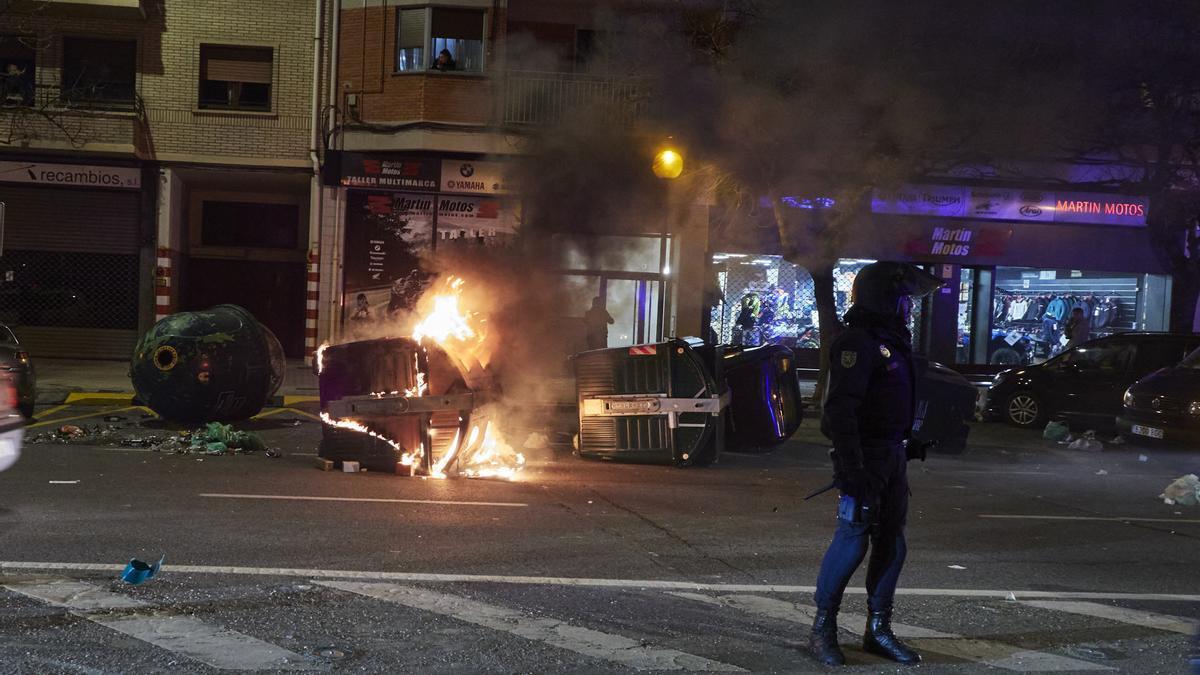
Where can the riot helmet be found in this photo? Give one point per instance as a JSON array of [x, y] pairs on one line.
[[887, 288]]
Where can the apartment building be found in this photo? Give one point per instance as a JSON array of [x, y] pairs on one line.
[[434, 112], [159, 156]]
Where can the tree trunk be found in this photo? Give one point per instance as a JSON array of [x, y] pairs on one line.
[[831, 325]]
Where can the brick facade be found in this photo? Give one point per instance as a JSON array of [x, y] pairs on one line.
[[169, 124]]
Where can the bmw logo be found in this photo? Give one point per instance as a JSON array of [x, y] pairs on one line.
[[466, 170]]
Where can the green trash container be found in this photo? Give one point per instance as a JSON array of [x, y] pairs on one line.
[[657, 403]]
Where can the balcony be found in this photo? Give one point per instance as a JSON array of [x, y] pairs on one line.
[[47, 118], [532, 98]]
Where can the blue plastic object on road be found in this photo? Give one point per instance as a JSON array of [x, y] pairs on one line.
[[137, 571]]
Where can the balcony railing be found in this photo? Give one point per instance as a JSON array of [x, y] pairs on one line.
[[545, 97], [47, 114]]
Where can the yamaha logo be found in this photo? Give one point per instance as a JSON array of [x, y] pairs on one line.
[[466, 170]]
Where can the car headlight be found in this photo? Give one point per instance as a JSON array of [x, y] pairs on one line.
[[1194, 408], [1128, 398]]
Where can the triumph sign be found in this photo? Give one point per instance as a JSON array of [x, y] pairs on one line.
[[987, 203]]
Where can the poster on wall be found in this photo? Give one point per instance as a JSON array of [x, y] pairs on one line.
[[479, 221], [386, 235]]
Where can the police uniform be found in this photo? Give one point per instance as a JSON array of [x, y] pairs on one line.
[[868, 414]]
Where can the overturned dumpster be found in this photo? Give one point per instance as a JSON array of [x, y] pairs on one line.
[[398, 405], [218, 365], [655, 403], [765, 403]]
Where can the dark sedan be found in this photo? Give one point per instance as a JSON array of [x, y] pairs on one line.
[[14, 361], [1084, 384], [1165, 405]]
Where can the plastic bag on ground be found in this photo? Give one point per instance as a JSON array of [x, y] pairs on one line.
[[1184, 491], [1087, 444], [1055, 431]]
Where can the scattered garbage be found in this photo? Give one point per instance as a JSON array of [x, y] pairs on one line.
[[349, 466], [1101, 472], [1118, 440], [70, 431], [956, 567], [112, 418], [1184, 491], [137, 571], [1012, 597], [1086, 444], [1055, 431], [1143, 458]]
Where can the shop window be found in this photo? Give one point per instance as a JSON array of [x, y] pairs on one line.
[[440, 38], [1031, 308], [18, 72], [99, 71], [760, 299], [250, 225], [235, 78]]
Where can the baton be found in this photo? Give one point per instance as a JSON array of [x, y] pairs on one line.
[[827, 488]]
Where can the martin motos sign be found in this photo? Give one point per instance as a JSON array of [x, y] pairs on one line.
[[986, 203], [72, 175]]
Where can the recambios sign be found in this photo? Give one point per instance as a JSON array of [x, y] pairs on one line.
[[123, 177]]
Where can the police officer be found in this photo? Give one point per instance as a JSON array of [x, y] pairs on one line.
[[868, 414]]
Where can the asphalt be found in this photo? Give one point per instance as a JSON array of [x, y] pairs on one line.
[[1069, 522]]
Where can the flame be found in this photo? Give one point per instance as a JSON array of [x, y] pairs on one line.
[[460, 332], [321, 357], [493, 458], [406, 458]]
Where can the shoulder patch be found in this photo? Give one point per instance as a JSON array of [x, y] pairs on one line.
[[849, 358], [883, 350]]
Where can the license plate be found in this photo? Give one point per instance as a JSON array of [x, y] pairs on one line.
[[1150, 432], [639, 405]]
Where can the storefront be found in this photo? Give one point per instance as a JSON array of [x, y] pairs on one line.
[[398, 210], [72, 276], [1016, 262]]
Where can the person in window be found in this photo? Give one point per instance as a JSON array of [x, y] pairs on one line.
[[1078, 330], [596, 322], [444, 61], [14, 89]]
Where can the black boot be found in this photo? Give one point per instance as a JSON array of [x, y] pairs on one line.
[[879, 639], [823, 640]]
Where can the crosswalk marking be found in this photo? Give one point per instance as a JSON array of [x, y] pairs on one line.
[[616, 648], [216, 647], [1136, 617], [986, 652]]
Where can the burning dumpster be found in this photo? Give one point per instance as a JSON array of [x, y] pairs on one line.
[[765, 406], [217, 365], [396, 404], [656, 403]]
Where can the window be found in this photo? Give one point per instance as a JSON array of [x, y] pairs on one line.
[[17, 72], [99, 71], [1106, 356], [440, 38], [235, 78]]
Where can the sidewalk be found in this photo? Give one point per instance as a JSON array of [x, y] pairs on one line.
[[83, 380]]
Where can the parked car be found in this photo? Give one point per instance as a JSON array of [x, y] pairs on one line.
[[12, 425], [1165, 405], [15, 362], [1083, 384]]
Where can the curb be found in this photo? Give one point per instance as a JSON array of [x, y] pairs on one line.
[[128, 398]]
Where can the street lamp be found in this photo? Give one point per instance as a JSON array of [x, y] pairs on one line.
[[668, 163]]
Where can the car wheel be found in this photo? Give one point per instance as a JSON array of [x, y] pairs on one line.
[[1024, 409], [1006, 356]]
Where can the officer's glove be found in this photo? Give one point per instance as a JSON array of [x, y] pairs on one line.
[[857, 482], [918, 449]]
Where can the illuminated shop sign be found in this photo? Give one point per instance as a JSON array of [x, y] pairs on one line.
[[985, 203]]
